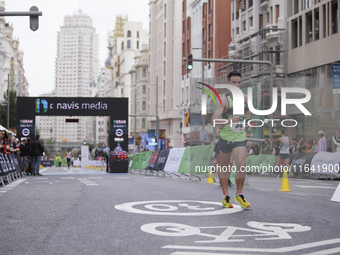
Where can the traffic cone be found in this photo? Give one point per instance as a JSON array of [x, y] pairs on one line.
[[40, 167], [210, 177], [285, 183]]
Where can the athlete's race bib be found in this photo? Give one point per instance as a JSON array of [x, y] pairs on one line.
[[238, 126]]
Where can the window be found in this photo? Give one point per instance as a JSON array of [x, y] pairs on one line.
[[334, 17], [260, 21], [164, 67], [137, 34], [250, 3], [143, 105], [137, 45], [309, 27], [165, 30], [122, 45], [296, 6], [165, 49], [300, 30], [128, 33], [121, 90], [164, 88], [143, 122], [251, 21], [294, 34], [324, 21], [144, 89], [209, 31], [144, 72], [129, 44], [316, 24], [308, 3], [164, 11], [277, 7]]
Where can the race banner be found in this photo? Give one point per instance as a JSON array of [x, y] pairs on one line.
[[301, 162], [3, 165], [325, 163], [136, 162], [174, 160], [152, 161], [145, 159], [196, 159], [8, 163], [16, 162], [161, 160]]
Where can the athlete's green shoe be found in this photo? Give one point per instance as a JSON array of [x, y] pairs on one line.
[[226, 202], [242, 201]]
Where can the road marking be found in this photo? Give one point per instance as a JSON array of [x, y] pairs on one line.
[[122, 177], [178, 208], [39, 178], [325, 252], [298, 194], [95, 177], [203, 253], [257, 250], [143, 177], [67, 178], [314, 187], [15, 183], [42, 170], [4, 191]]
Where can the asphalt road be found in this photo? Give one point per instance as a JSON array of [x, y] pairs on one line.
[[77, 211]]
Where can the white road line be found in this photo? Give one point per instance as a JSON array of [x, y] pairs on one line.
[[298, 194], [4, 188], [68, 178], [257, 250], [122, 177], [42, 170], [4, 191], [326, 252], [314, 187], [143, 177], [95, 177], [93, 184], [39, 178], [15, 183], [204, 253]]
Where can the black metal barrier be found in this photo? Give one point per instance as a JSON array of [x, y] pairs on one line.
[[10, 167]]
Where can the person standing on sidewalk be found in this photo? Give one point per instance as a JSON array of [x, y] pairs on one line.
[[336, 141], [322, 142], [37, 149]]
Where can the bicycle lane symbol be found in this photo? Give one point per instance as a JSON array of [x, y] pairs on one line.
[[177, 208], [260, 231]]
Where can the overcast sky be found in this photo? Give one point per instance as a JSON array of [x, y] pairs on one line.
[[40, 46]]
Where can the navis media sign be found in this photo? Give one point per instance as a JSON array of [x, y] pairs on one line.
[[67, 106]]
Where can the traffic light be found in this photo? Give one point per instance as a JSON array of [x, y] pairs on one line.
[[84, 141], [189, 61], [34, 19]]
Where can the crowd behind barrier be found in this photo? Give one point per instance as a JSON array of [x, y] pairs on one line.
[[197, 161]]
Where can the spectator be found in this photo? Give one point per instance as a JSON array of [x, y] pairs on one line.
[[309, 146], [37, 151], [256, 149], [293, 148], [302, 146], [336, 141], [315, 146], [276, 149], [266, 149], [322, 141], [249, 150]]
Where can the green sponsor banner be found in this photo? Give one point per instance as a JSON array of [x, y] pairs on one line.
[[196, 159], [136, 161], [145, 157], [253, 162], [140, 160], [269, 161]]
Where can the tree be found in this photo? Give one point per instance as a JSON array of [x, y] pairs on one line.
[[12, 110]]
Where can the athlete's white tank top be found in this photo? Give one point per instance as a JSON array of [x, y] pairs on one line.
[[285, 145]]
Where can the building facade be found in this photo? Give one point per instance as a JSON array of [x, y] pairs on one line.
[[165, 30], [206, 33], [76, 71], [313, 39]]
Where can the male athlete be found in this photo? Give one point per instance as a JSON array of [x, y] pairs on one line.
[[232, 140]]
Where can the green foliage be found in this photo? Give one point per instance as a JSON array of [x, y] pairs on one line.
[[12, 110]]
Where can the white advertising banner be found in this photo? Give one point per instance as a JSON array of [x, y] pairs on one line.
[[174, 160], [84, 155], [325, 163]]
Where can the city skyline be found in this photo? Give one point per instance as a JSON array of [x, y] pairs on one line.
[[39, 47]]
